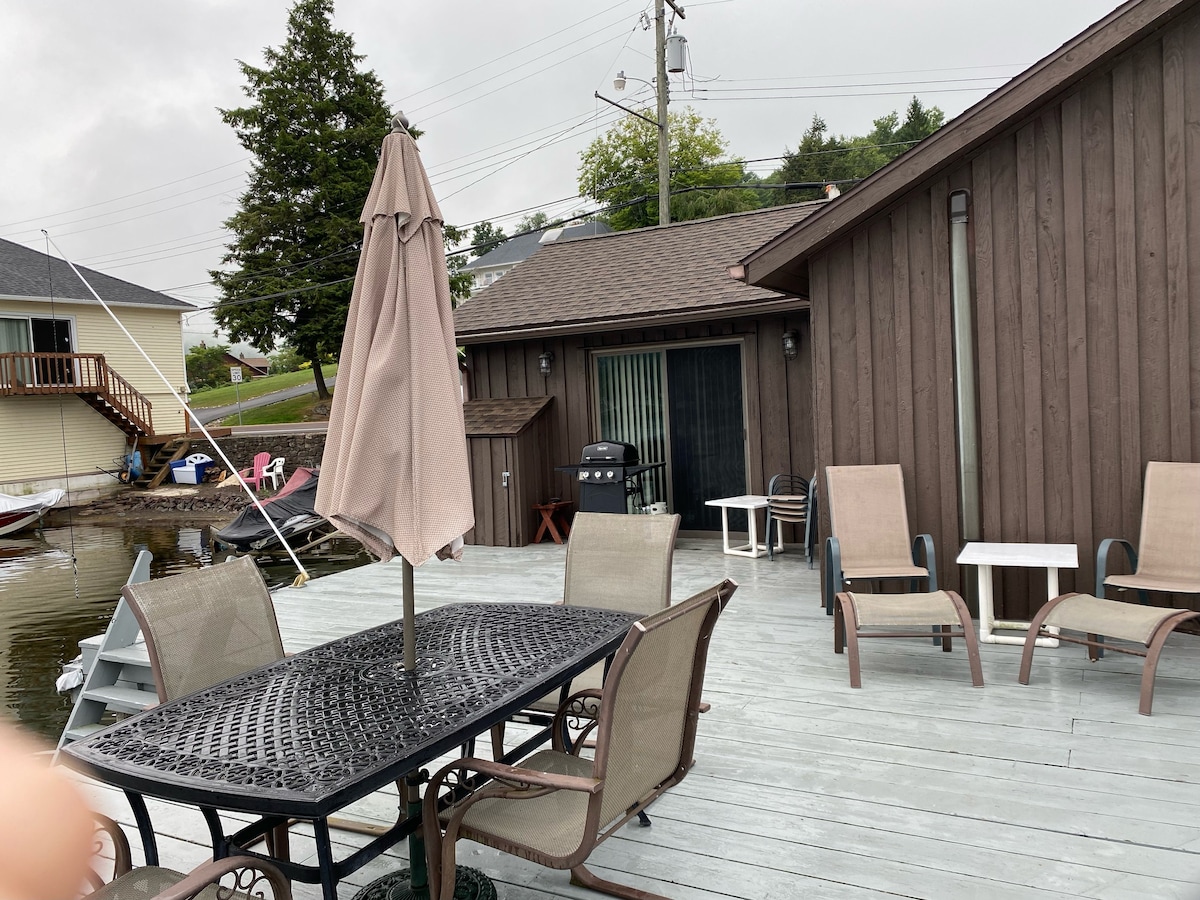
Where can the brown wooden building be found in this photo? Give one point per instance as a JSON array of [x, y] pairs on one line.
[[1080, 182], [646, 339]]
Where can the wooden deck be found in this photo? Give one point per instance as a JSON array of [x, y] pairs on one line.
[[917, 785]]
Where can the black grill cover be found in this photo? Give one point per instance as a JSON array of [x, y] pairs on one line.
[[613, 452]]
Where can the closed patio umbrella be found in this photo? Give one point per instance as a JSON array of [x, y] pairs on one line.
[[394, 473]]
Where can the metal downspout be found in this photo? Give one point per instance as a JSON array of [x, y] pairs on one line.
[[965, 394]]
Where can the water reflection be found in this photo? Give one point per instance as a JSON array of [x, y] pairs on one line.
[[49, 603]]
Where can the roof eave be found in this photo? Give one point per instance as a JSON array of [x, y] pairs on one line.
[[769, 265], [739, 309]]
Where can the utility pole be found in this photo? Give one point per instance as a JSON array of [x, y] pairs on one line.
[[660, 80]]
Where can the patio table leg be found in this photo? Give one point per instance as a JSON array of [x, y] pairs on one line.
[[145, 827]]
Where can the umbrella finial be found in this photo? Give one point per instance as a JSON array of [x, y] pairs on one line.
[[400, 122]]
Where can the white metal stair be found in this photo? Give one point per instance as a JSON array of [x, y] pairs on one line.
[[120, 678]]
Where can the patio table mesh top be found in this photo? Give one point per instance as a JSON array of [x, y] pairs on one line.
[[312, 732]]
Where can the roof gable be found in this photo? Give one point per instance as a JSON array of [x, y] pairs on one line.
[[628, 278], [781, 262], [28, 273]]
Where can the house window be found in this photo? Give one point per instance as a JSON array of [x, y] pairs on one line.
[[487, 278], [22, 335]]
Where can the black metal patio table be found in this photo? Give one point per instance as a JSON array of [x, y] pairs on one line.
[[303, 737]]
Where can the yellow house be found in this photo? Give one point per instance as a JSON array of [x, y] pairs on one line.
[[75, 393]]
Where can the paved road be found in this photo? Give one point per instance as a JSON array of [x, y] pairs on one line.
[[216, 413]]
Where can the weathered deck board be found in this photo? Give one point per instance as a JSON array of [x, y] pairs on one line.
[[917, 785]]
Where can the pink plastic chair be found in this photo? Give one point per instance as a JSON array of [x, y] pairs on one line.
[[254, 475]]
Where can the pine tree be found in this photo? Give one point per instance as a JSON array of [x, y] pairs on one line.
[[313, 126]]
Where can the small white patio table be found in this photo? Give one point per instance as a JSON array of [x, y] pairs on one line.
[[751, 503], [1050, 557]]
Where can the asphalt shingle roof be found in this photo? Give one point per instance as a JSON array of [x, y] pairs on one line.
[[629, 277], [519, 248], [25, 272]]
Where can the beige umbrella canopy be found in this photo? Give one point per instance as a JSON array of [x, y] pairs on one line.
[[394, 473]]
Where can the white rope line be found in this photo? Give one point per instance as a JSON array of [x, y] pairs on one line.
[[187, 409]]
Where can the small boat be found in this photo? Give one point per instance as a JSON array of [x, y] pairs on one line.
[[293, 510], [21, 512]]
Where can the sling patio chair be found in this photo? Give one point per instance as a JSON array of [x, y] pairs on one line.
[[869, 533], [1168, 554], [614, 561], [205, 625], [937, 609], [232, 878], [789, 501], [556, 806]]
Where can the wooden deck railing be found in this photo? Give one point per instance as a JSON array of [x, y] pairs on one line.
[[85, 374]]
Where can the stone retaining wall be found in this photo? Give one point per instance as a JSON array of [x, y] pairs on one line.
[[296, 449]]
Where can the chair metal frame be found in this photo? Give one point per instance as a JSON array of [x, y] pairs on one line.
[[590, 817]]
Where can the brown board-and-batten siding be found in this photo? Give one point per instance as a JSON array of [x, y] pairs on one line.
[[1085, 229], [778, 392]]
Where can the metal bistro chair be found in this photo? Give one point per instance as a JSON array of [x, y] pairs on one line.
[[232, 878], [556, 806], [789, 499]]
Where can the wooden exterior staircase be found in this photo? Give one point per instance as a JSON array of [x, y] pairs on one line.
[[87, 376]]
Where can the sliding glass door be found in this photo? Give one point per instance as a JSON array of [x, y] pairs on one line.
[[683, 406]]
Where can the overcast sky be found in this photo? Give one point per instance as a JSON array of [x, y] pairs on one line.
[[112, 141]]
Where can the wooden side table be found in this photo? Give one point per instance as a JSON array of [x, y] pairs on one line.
[[554, 520]]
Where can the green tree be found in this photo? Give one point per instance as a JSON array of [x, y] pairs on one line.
[[486, 237], [206, 366], [313, 128], [533, 222], [286, 359], [822, 158], [620, 169], [460, 280]]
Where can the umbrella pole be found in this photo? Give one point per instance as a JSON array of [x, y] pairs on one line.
[[410, 615]]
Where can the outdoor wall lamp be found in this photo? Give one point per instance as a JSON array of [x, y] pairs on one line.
[[791, 345], [544, 362]]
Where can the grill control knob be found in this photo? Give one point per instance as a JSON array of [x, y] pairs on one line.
[[609, 473], [583, 476], [597, 473]]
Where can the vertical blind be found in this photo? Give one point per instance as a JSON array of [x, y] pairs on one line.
[[632, 404]]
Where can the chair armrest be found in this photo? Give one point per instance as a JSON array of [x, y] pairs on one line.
[[833, 572], [520, 781], [1102, 560], [122, 860], [923, 545], [570, 713], [253, 875]]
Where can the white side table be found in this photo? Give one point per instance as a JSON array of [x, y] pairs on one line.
[[1050, 557], [751, 503]]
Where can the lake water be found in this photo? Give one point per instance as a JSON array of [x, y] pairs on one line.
[[60, 585]]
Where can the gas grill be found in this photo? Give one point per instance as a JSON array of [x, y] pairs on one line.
[[608, 472]]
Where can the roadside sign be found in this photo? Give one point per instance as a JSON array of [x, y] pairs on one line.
[[235, 374]]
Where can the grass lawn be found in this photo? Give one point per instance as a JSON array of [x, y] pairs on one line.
[[298, 409], [227, 394]]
